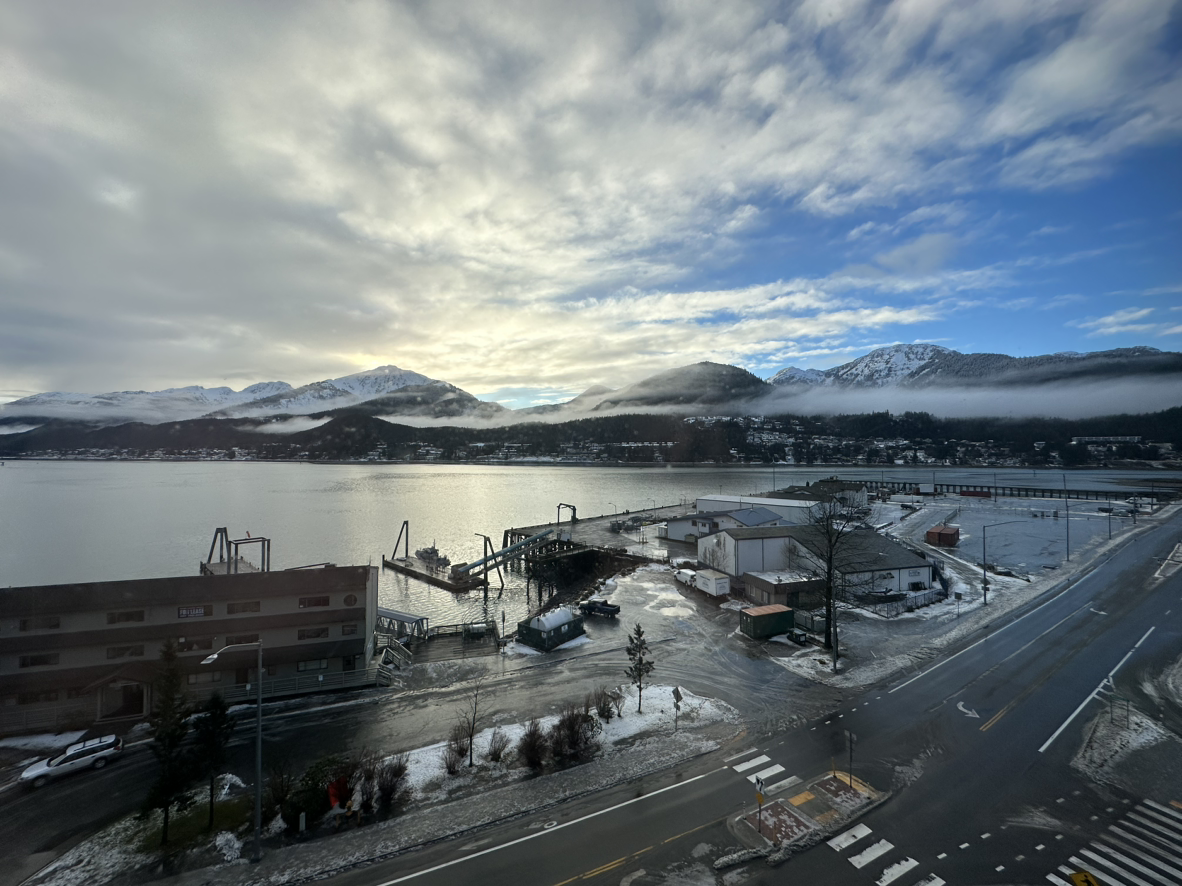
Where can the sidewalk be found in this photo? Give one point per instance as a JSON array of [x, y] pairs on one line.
[[786, 825]]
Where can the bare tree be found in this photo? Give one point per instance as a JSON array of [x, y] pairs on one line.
[[469, 718], [830, 529], [714, 554]]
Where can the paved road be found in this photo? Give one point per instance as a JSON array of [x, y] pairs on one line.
[[992, 729]]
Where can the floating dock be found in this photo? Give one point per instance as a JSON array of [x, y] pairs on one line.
[[433, 575]]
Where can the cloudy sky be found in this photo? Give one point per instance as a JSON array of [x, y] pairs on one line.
[[527, 199]]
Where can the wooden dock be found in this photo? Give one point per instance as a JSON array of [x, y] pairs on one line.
[[442, 578]]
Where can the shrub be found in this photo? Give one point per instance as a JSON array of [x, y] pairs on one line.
[[452, 758], [390, 779], [534, 745], [498, 743], [311, 794], [574, 736], [279, 787], [601, 700], [459, 739]]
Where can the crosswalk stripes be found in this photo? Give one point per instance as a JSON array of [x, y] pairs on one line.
[[877, 852], [764, 768], [1144, 848]]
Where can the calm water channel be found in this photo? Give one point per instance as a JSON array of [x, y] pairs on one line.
[[90, 521]]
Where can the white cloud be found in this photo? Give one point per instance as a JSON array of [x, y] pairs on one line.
[[310, 191], [1122, 321]]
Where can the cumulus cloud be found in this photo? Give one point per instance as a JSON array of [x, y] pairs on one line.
[[226, 193]]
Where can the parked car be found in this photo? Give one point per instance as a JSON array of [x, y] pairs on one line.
[[94, 753]]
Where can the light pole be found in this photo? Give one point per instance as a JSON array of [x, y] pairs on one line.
[[984, 580], [613, 506], [258, 742]]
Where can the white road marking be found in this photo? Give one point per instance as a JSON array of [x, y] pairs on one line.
[[945, 661], [848, 838], [1149, 823], [968, 712], [1058, 881], [896, 870], [942, 855], [1101, 860], [1168, 822], [1137, 866], [752, 763], [867, 855], [1095, 691], [1144, 844], [986, 835], [1166, 809], [740, 754], [766, 774], [536, 834], [964, 845], [1040, 847], [781, 785], [930, 880], [1108, 878]]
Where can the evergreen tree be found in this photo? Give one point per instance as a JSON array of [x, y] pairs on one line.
[[169, 727], [642, 665], [213, 732]]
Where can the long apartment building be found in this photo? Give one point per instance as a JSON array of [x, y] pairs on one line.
[[74, 654]]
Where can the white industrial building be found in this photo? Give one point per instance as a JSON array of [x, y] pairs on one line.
[[791, 510], [866, 561]]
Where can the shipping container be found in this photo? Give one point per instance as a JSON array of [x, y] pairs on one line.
[[761, 622]]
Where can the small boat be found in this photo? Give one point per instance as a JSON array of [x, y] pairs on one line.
[[431, 557]]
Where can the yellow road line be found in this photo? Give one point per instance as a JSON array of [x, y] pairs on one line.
[[999, 715]]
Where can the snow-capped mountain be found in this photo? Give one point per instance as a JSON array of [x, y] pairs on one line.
[[792, 375], [170, 404], [333, 393], [194, 401], [923, 365]]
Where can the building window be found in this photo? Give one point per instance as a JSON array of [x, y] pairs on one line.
[[124, 651], [41, 623], [37, 697], [242, 606], [350, 599], [913, 572], [114, 618], [309, 602], [40, 660], [313, 633], [242, 638], [315, 664], [194, 611], [194, 644], [77, 692], [204, 677], [347, 630]]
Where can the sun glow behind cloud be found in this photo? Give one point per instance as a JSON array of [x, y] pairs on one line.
[[541, 196]]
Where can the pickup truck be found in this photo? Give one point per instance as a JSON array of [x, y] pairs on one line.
[[599, 607]]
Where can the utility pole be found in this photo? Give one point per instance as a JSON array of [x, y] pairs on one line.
[[1067, 517]]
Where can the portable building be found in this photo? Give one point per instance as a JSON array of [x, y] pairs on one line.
[[713, 582], [761, 622], [550, 629]]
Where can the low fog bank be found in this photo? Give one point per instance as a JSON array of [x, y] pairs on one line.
[[285, 426], [1070, 400], [1058, 400]]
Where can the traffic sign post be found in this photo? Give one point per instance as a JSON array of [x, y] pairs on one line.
[[676, 705], [759, 800]]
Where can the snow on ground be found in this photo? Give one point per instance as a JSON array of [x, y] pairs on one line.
[[737, 605], [42, 742], [634, 745], [1110, 742]]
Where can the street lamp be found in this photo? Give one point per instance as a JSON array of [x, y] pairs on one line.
[[984, 580], [613, 506], [258, 742]]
